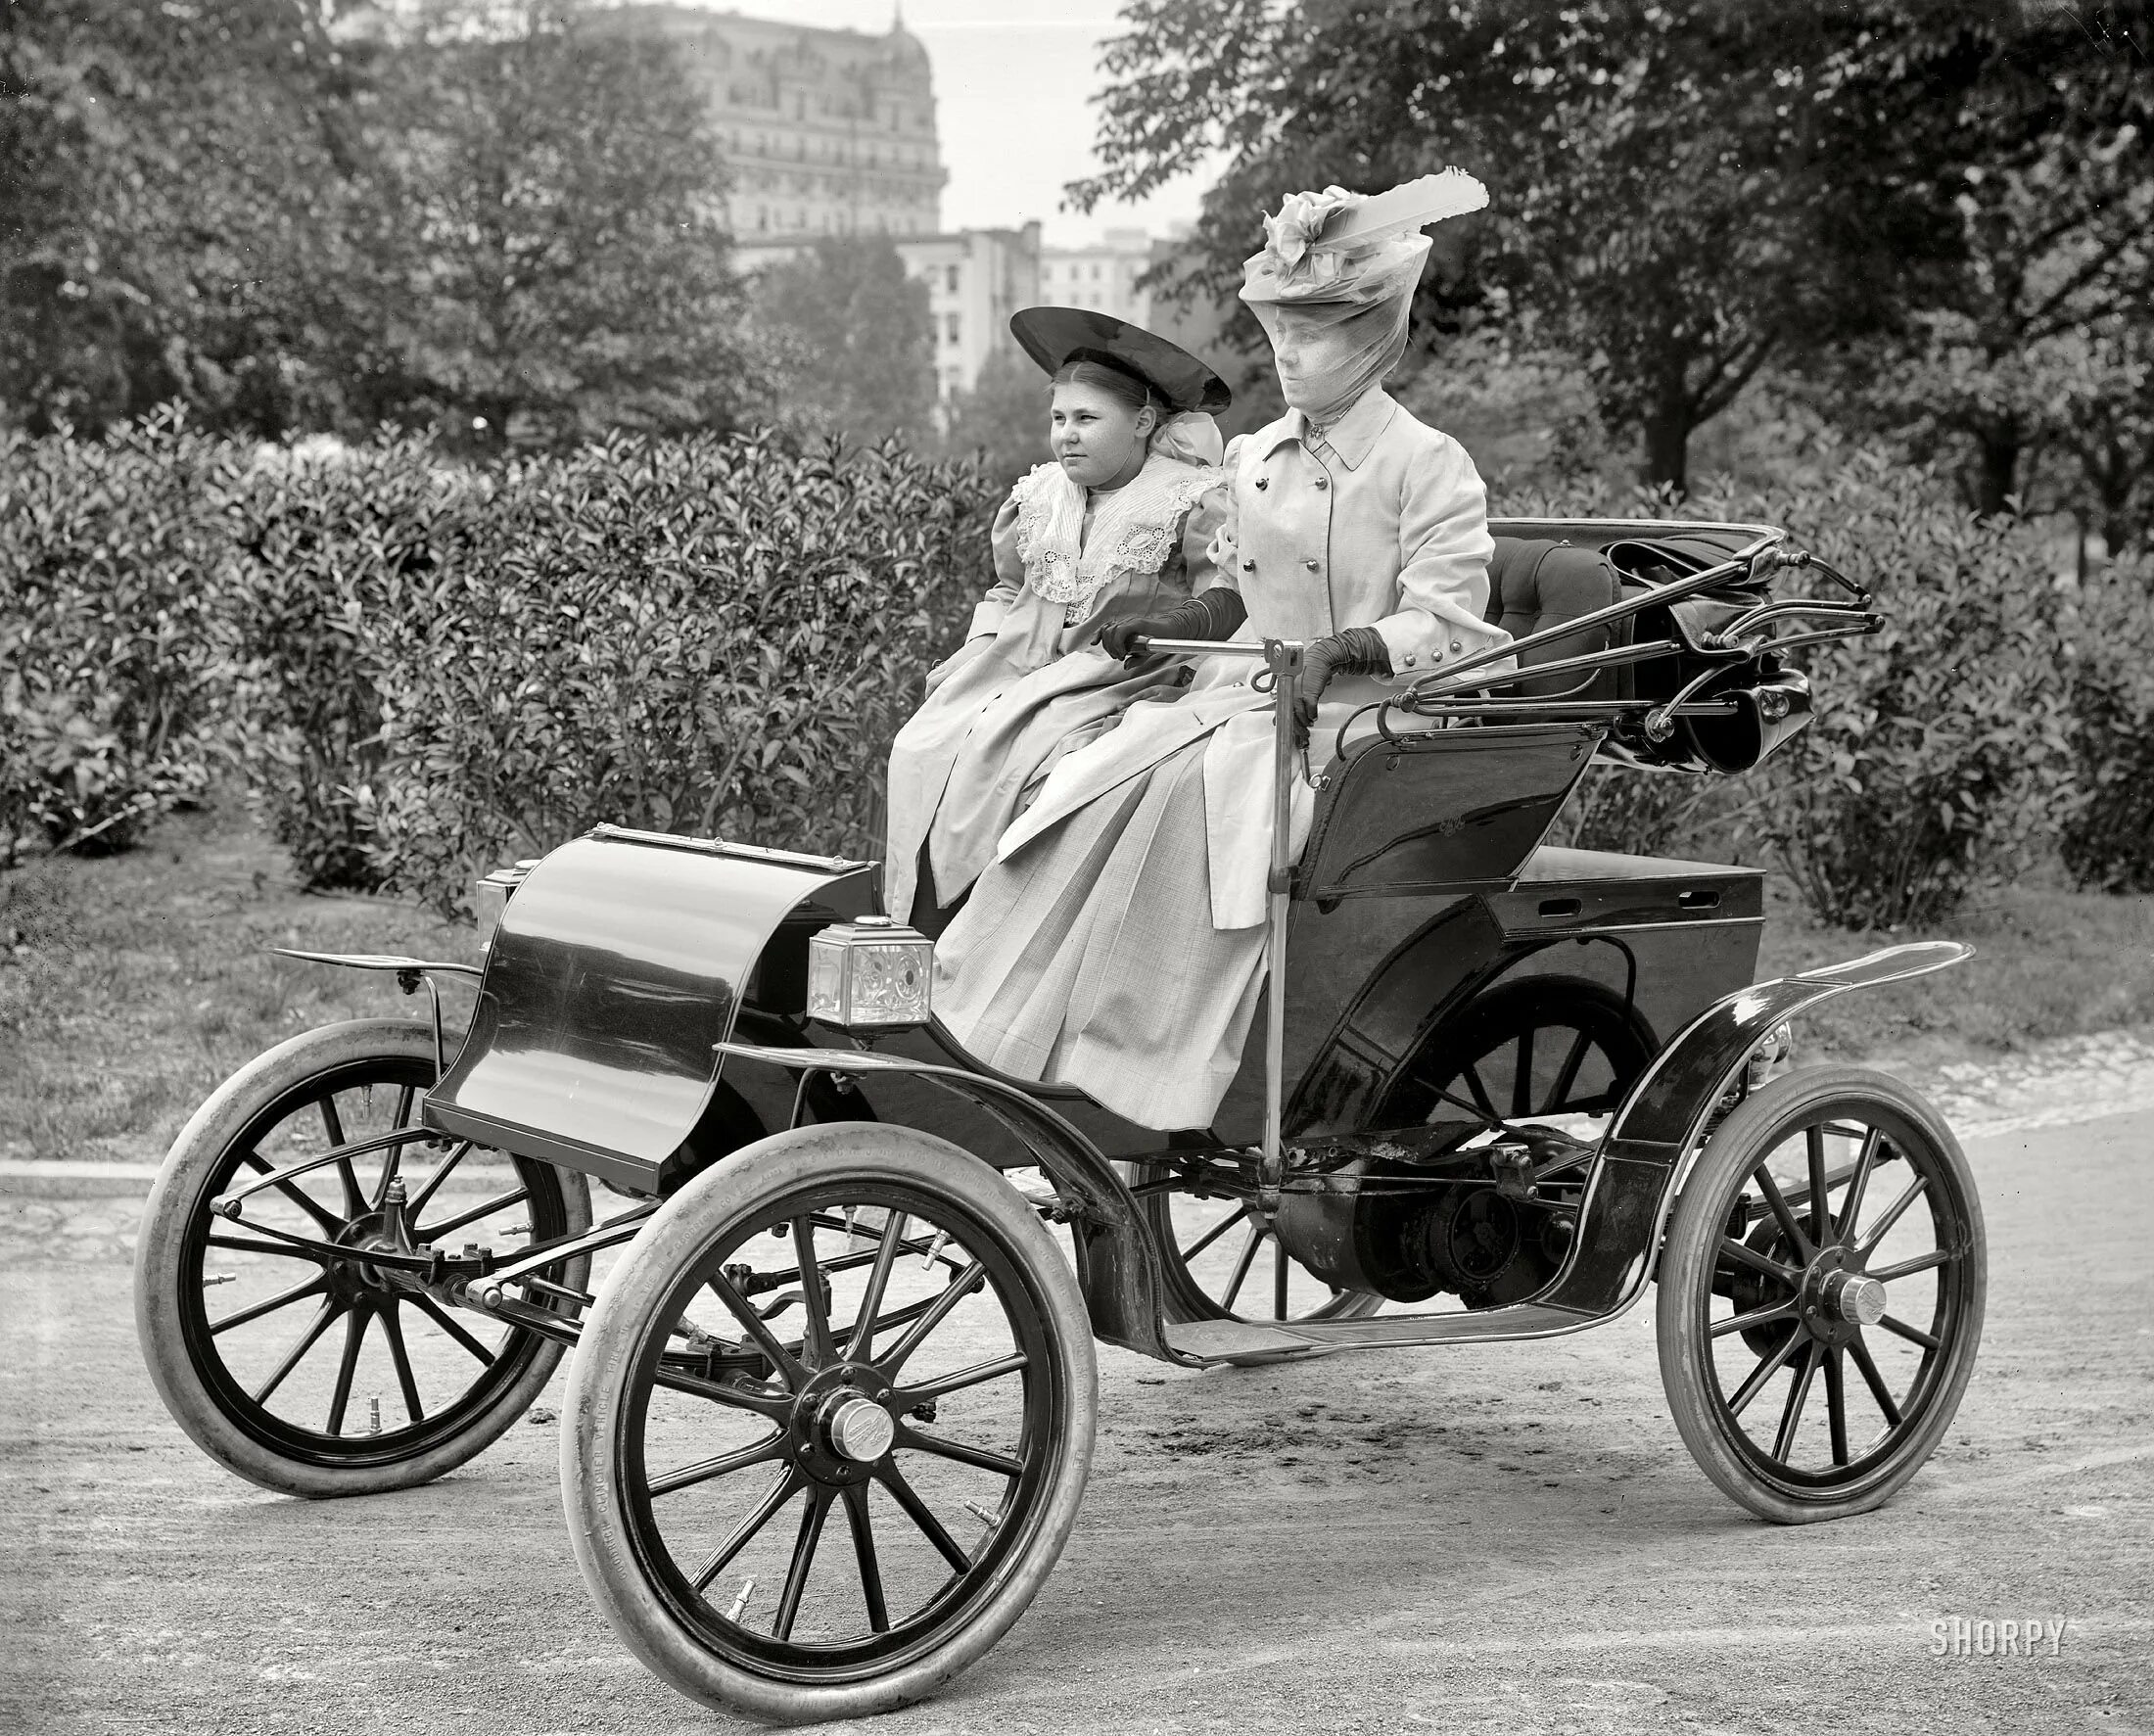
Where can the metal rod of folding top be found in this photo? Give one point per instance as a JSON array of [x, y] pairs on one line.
[[1283, 657], [1673, 591]]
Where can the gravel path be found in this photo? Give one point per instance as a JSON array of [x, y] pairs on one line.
[[1506, 1538]]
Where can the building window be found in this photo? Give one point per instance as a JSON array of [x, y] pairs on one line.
[[1096, 271], [951, 280], [950, 328]]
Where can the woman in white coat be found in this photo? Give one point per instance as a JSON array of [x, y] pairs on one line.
[[1116, 944], [1119, 526]]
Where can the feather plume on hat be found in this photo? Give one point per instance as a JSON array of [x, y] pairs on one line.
[[1342, 246]]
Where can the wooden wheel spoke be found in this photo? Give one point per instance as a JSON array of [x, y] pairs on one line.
[[960, 1286], [455, 1328], [819, 1345], [1567, 1076], [1777, 1202], [943, 1447], [944, 1384], [354, 1201], [1920, 1263], [1887, 1405], [1914, 1334], [485, 1208], [864, 1552], [1768, 1365], [862, 1343], [1241, 1264], [325, 1220], [312, 1287], [1851, 1208], [427, 1189], [406, 1382], [348, 1366], [1483, 1101], [918, 1511], [1836, 1405], [1212, 1235], [724, 1464], [776, 1407], [752, 1323], [788, 1484], [1821, 1216], [1758, 1316], [1743, 1255], [1893, 1214], [811, 1515], [1791, 1414], [307, 1339]]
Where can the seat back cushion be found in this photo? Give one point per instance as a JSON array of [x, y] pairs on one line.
[[1534, 585]]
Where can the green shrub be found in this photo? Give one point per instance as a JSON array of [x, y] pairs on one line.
[[2108, 842], [1942, 754], [115, 643], [702, 636]]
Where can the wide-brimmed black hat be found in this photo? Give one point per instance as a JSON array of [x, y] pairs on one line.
[[1052, 336]]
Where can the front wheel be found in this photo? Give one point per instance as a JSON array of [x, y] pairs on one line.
[[830, 1425], [314, 1372], [1821, 1294]]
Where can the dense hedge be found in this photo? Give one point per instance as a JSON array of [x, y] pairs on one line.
[[423, 668], [2108, 840], [1943, 753]]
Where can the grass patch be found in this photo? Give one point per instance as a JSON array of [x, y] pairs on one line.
[[131, 986]]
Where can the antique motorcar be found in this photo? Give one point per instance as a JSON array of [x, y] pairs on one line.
[[832, 1405]]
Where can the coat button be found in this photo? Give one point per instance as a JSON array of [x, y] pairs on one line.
[[1322, 481], [1248, 566], [1311, 565], [1456, 647], [1263, 481], [1411, 659]]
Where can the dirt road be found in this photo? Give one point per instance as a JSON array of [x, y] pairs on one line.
[[1502, 1539]]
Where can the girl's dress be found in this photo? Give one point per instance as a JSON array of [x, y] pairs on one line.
[[1116, 944], [1030, 683]]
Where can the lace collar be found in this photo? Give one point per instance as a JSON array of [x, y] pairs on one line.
[[1133, 530]]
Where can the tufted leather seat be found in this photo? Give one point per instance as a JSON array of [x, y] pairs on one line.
[[1534, 584]]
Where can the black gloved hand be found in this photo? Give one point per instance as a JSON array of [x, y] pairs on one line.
[[1211, 616], [1359, 650]]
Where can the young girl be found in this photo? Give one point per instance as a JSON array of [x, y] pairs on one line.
[[1116, 943], [1118, 527]]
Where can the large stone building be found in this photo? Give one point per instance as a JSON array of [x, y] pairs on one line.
[[1101, 277], [827, 132]]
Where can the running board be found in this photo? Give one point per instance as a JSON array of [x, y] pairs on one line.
[[1252, 1341]]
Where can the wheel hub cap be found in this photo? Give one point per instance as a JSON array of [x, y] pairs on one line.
[[1855, 1296], [860, 1431]]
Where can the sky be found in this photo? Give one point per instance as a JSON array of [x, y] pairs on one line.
[[1014, 87]]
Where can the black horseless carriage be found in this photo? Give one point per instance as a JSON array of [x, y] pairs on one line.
[[831, 1408]]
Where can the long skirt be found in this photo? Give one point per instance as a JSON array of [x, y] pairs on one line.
[[966, 762], [1089, 956]]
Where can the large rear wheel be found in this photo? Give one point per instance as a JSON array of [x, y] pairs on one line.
[[830, 1425]]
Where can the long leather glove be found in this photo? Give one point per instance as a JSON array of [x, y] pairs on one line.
[[1359, 650], [1212, 616]]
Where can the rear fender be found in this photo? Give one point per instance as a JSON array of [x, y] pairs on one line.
[[1664, 1116]]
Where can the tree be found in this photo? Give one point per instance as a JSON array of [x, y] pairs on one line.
[[2038, 129], [171, 207], [552, 222], [1678, 200], [1002, 417], [853, 345]]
